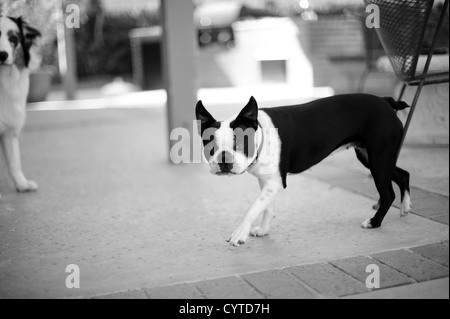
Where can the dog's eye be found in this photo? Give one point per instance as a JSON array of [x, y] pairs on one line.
[[14, 40], [210, 150]]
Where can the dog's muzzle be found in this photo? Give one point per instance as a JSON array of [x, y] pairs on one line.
[[225, 163]]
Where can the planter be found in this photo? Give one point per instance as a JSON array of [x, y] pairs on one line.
[[40, 84]]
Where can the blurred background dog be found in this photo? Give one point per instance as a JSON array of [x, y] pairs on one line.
[[16, 39]]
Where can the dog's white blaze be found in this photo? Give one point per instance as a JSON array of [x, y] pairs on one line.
[[224, 137]]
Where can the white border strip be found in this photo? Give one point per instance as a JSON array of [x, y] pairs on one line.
[[267, 96]]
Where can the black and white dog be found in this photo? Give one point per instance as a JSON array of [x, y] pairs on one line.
[[16, 39], [272, 143]]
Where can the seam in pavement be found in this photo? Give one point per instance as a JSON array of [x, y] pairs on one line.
[[429, 259], [253, 287], [317, 293], [309, 288], [371, 258]]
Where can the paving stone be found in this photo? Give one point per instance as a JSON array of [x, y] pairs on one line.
[[441, 219], [277, 284], [135, 294], [356, 267], [429, 204], [425, 197], [184, 291], [437, 252], [415, 266], [429, 290], [328, 281], [228, 288]]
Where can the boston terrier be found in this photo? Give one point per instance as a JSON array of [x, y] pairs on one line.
[[272, 143]]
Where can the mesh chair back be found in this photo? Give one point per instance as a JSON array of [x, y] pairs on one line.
[[402, 31]]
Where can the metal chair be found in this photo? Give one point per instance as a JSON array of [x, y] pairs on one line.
[[402, 33]]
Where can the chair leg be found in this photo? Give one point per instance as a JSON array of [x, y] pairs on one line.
[[411, 114], [425, 73], [402, 92], [363, 81]]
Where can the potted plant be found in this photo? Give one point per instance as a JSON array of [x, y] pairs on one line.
[[39, 14]]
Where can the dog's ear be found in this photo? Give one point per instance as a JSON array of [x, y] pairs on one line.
[[30, 35], [205, 118], [249, 115]]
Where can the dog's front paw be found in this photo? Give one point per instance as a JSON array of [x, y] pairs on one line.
[[369, 224], [27, 187], [240, 236], [260, 232]]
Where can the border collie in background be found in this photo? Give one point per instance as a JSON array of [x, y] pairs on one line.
[[16, 39]]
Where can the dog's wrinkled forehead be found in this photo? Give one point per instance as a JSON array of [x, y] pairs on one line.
[[229, 137]]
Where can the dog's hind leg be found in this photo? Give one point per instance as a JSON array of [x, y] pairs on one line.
[[363, 157], [401, 178], [10, 143], [382, 162], [384, 186]]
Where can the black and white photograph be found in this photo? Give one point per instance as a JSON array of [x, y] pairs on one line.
[[219, 155]]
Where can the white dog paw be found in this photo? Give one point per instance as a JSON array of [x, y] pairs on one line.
[[404, 212], [27, 187], [259, 232], [406, 205], [369, 224], [240, 236]]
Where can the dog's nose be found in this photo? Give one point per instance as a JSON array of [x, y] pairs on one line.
[[225, 168], [225, 162], [3, 56]]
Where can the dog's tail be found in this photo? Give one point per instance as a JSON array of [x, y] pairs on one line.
[[396, 105]]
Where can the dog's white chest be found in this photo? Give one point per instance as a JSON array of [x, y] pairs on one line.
[[14, 85]]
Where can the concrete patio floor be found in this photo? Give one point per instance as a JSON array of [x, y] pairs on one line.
[[110, 203]]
